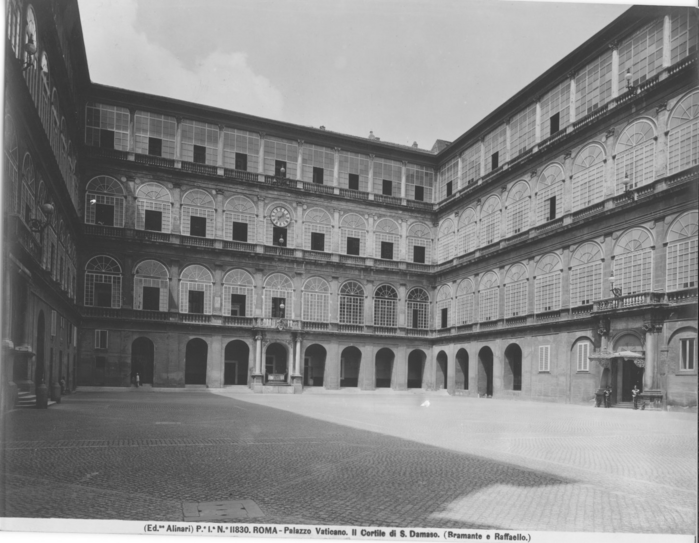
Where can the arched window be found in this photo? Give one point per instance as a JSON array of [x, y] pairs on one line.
[[549, 194], [103, 282], [153, 208], [464, 302], [151, 286], [547, 291], [31, 36], [684, 134], [196, 287], [353, 235], [446, 240], [490, 221], [238, 294], [351, 303], [198, 214], [278, 296], [420, 243], [444, 306], [516, 291], [635, 156], [518, 208], [682, 253], [317, 230], [385, 305], [418, 305], [468, 238], [104, 202], [633, 261], [386, 239], [586, 274], [239, 220], [11, 161], [14, 23], [316, 300], [588, 177], [28, 189], [488, 299]]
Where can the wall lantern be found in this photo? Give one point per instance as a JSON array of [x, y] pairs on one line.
[[35, 225], [616, 292]]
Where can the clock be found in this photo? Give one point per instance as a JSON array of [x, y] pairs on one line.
[[280, 216]]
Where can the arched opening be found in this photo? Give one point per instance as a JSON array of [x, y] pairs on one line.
[[461, 380], [440, 380], [276, 362], [40, 350], [485, 372], [512, 379], [624, 372], [350, 362], [384, 368], [314, 366], [416, 366], [195, 362], [235, 364], [142, 360]]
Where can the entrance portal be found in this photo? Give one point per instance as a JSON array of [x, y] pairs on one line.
[[195, 362], [314, 366], [631, 375], [350, 362], [513, 368], [236, 361], [276, 361], [440, 381], [416, 366], [461, 380], [384, 367], [485, 372], [142, 360]]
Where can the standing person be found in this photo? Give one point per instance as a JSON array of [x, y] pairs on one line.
[[138, 381], [634, 393], [607, 397]]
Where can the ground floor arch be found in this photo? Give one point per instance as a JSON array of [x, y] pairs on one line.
[[461, 377], [512, 376], [384, 367], [196, 354], [350, 364], [277, 361], [440, 380], [143, 361], [485, 372], [416, 368], [314, 365], [236, 361]]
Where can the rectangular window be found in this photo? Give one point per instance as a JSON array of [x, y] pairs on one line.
[[151, 298], [279, 236], [240, 231], [687, 355], [153, 220], [238, 305], [353, 181], [103, 294], [241, 162], [583, 354], [387, 187], [450, 190], [155, 146], [317, 241], [104, 214], [494, 160], [197, 227], [107, 139], [544, 358], [317, 175], [353, 245], [387, 250], [420, 194], [199, 154], [101, 339], [196, 301], [554, 123], [418, 254], [552, 208], [280, 168], [278, 308], [105, 126], [445, 317]]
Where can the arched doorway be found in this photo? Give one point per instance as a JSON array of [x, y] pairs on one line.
[[314, 366], [440, 381], [512, 378], [276, 361], [350, 362], [40, 350], [485, 372], [195, 362], [384, 367], [235, 364], [142, 360], [461, 381], [416, 367]]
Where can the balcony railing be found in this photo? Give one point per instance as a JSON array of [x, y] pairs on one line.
[[246, 322], [317, 255], [195, 167], [155, 161], [355, 194], [21, 234], [197, 241], [281, 251], [548, 316], [241, 174], [682, 296], [317, 188], [385, 330], [516, 321], [629, 301], [384, 199], [349, 259], [308, 325]]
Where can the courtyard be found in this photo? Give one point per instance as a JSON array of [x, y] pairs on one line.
[[360, 459]]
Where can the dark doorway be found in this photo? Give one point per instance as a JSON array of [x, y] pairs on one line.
[[440, 380], [416, 367], [142, 360], [153, 220], [485, 372], [104, 214], [197, 227], [384, 368], [461, 378], [236, 362], [196, 301], [151, 298], [276, 360], [195, 362], [350, 362], [631, 375], [238, 305], [314, 366], [103, 294], [512, 379]]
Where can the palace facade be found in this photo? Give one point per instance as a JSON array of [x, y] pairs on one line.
[[546, 254]]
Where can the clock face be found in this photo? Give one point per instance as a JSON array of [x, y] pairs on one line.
[[280, 216]]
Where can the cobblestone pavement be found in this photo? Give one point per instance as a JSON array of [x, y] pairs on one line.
[[355, 459]]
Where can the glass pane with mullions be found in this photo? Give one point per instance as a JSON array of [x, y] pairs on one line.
[[197, 227], [240, 231], [196, 301], [104, 214], [103, 294], [154, 220], [151, 298]]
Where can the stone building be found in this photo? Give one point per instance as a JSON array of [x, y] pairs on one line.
[[547, 253]]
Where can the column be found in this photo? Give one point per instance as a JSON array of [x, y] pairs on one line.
[[573, 90], [501, 294], [298, 296], [370, 237], [368, 304], [459, 179], [258, 293], [335, 243], [661, 147], [667, 28], [176, 201], [261, 161], [482, 157], [615, 69], [371, 174], [218, 232], [217, 291], [132, 130], [178, 139], [508, 140], [567, 182], [609, 172], [476, 304], [531, 294], [402, 289], [297, 355], [435, 243], [219, 156], [537, 123], [402, 178], [565, 279], [336, 169], [260, 220], [258, 354], [298, 234], [403, 240], [299, 161], [174, 285], [334, 299]]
